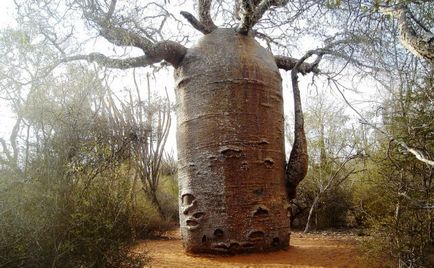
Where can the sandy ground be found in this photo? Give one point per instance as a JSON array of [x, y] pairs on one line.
[[317, 250]]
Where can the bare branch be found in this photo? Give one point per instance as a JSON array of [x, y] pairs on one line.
[[416, 203], [250, 12], [169, 51], [205, 23], [205, 16], [421, 45], [123, 37], [111, 9], [195, 23], [288, 63]]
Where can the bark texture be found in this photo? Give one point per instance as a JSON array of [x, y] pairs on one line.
[[421, 45], [231, 147]]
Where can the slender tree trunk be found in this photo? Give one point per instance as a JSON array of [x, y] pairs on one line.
[[311, 211], [156, 203]]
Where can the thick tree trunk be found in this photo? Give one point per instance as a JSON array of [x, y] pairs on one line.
[[231, 147]]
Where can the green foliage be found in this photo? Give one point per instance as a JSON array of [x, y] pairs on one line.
[[396, 199]]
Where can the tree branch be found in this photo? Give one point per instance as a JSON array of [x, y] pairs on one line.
[[109, 30], [205, 16], [288, 63], [195, 23], [421, 45], [205, 23], [123, 37], [111, 9], [250, 12], [169, 51]]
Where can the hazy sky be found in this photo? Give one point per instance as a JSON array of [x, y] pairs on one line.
[[6, 19]]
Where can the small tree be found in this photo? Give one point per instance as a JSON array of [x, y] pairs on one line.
[[332, 148]]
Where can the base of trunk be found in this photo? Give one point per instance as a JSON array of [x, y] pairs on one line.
[[220, 246]]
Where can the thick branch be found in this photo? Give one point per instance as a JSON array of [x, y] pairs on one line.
[[421, 45], [123, 37], [204, 9], [110, 31], [250, 12], [169, 51], [195, 23], [205, 23], [288, 63], [155, 52]]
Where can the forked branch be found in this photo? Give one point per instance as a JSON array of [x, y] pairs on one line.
[[288, 63], [251, 11]]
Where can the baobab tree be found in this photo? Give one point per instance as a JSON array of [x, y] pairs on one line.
[[233, 177], [235, 182]]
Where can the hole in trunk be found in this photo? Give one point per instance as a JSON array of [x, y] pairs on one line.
[[259, 191], [263, 142], [276, 242], [192, 223], [261, 212], [218, 233], [231, 151], [256, 235], [234, 246], [244, 165], [221, 246], [187, 199], [269, 162], [248, 245], [198, 215]]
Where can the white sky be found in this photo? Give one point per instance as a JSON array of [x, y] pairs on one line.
[[6, 20]]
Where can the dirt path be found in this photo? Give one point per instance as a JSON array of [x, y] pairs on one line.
[[305, 251]]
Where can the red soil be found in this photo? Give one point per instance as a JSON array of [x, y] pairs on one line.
[[317, 250]]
